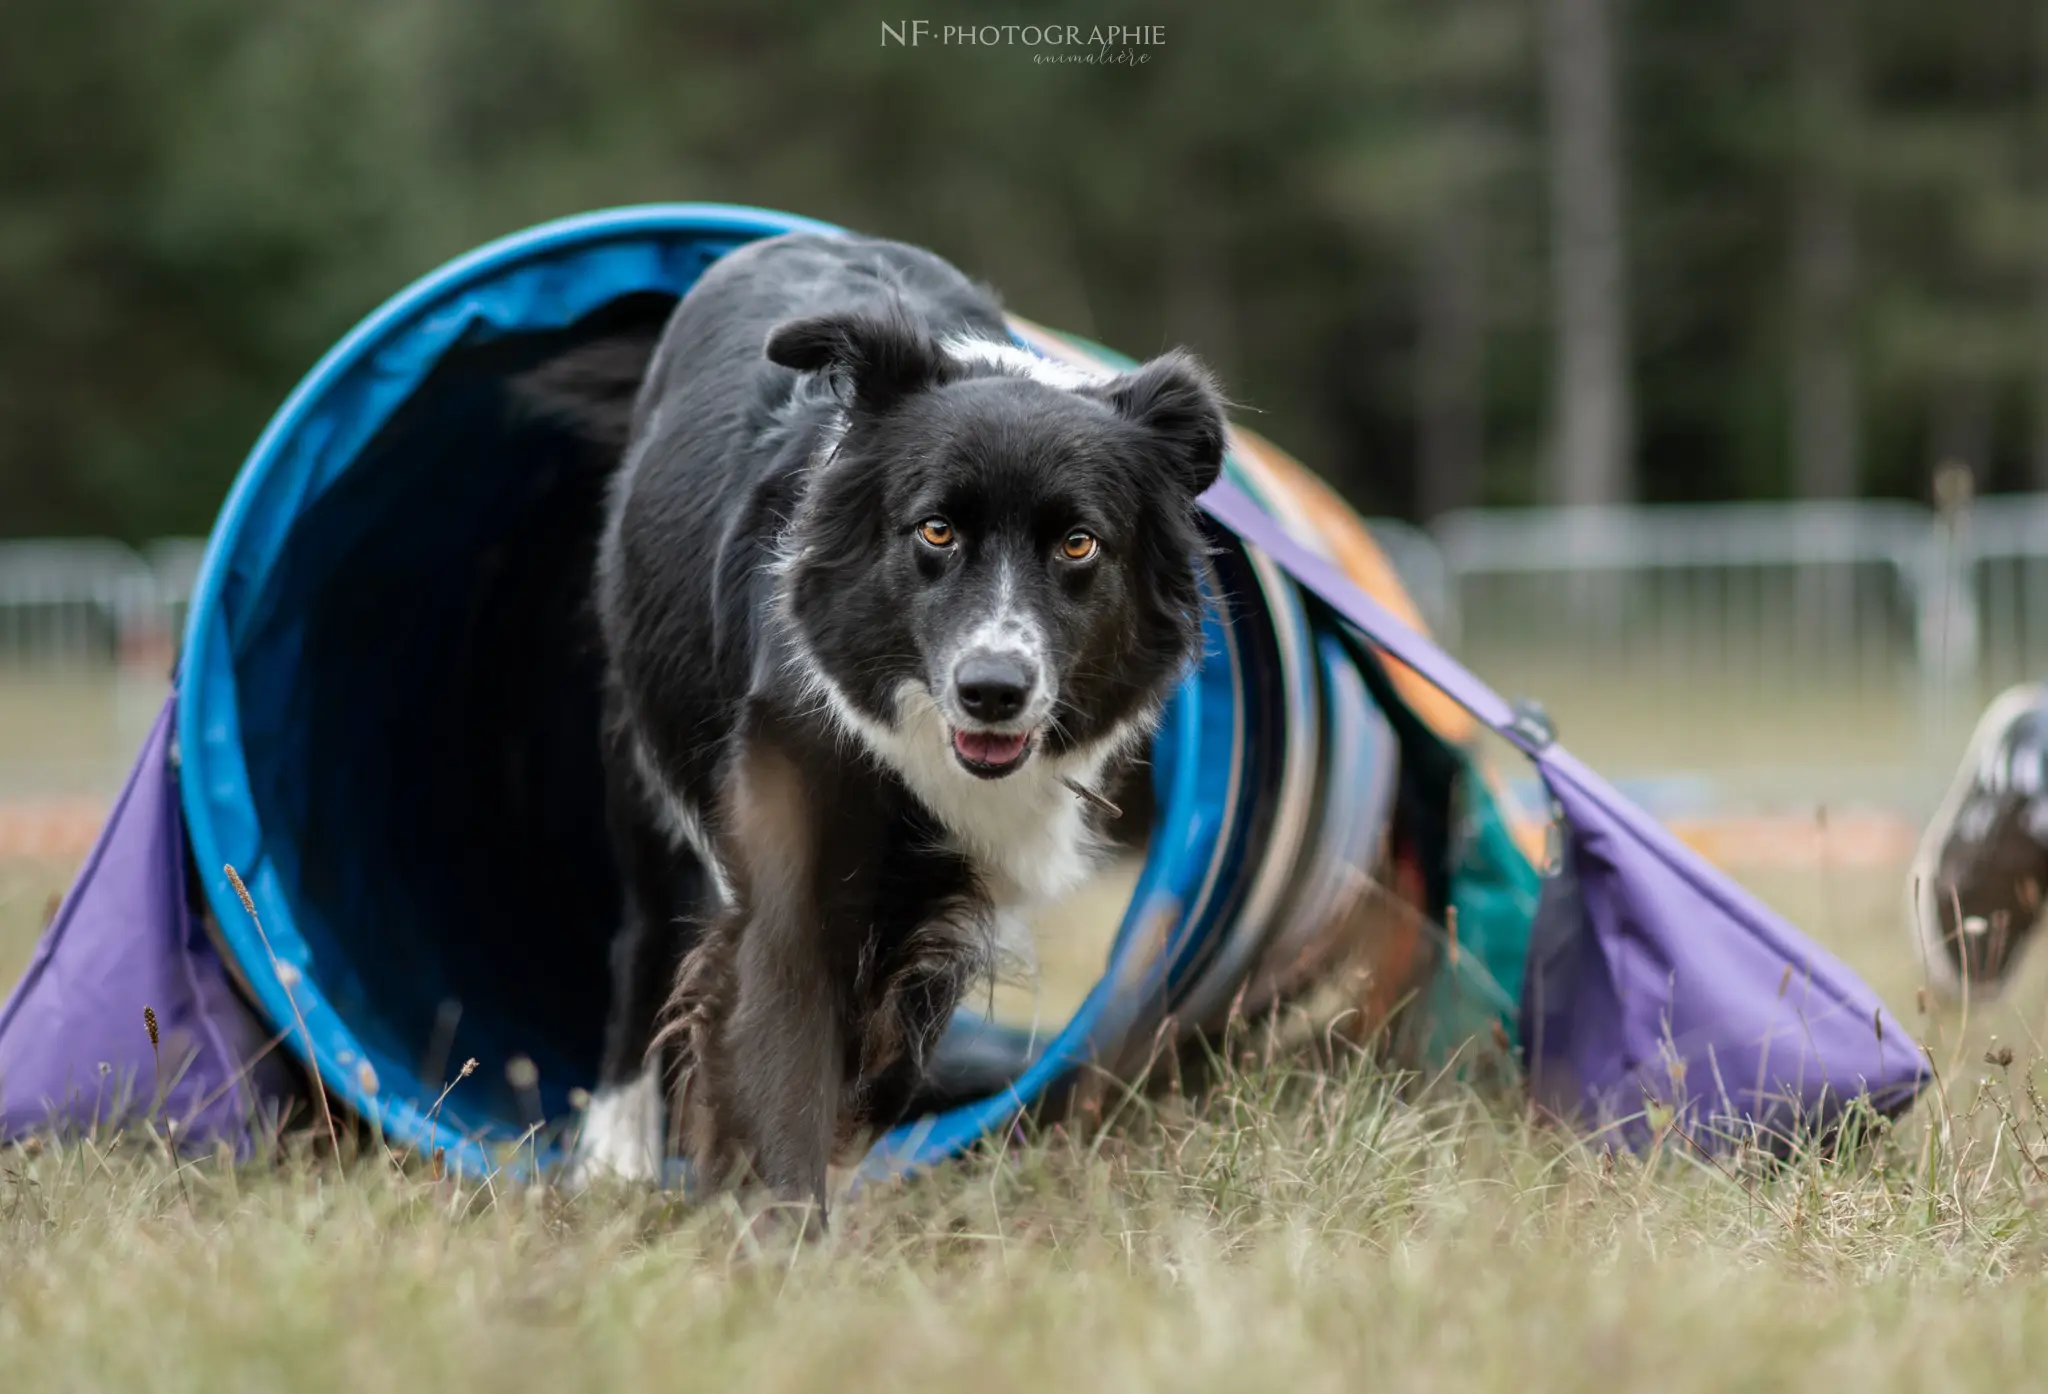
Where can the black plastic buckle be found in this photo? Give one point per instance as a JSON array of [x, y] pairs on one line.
[[1533, 725]]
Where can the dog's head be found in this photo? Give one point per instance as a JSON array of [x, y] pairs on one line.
[[1001, 543]]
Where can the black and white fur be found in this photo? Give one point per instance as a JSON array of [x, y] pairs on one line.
[[876, 585]]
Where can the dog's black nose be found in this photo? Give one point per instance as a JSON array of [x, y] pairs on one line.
[[993, 686]]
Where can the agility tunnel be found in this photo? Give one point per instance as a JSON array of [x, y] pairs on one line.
[[385, 720]]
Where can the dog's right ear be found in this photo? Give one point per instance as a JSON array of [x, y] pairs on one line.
[[877, 357]]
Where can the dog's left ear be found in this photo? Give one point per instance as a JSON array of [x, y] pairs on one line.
[[1175, 398], [878, 356]]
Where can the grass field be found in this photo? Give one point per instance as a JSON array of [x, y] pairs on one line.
[[1292, 1230]]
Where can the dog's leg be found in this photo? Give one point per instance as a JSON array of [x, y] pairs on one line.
[[773, 1064], [924, 983], [784, 1057]]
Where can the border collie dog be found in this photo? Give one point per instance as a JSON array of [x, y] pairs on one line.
[[882, 596]]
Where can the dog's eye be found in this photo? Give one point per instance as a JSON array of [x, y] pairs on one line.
[[1079, 545], [936, 532]]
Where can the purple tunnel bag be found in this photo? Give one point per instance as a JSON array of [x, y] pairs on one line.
[[1652, 977], [75, 1051]]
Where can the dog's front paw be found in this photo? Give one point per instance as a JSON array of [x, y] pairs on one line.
[[621, 1137]]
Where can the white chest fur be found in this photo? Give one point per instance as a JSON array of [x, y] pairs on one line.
[[1026, 833]]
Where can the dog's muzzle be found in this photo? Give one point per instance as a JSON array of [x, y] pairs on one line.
[[994, 692]]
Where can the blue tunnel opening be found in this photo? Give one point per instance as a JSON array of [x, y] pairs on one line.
[[389, 722], [420, 717]]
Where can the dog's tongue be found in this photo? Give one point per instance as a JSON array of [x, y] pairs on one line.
[[987, 748]]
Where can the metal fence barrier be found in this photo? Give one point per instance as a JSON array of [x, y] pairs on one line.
[[1729, 593], [1837, 647], [87, 636], [1825, 650], [71, 603]]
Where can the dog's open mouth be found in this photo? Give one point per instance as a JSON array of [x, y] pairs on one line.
[[991, 754]]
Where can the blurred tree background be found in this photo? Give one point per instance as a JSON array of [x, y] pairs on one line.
[[1449, 251]]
